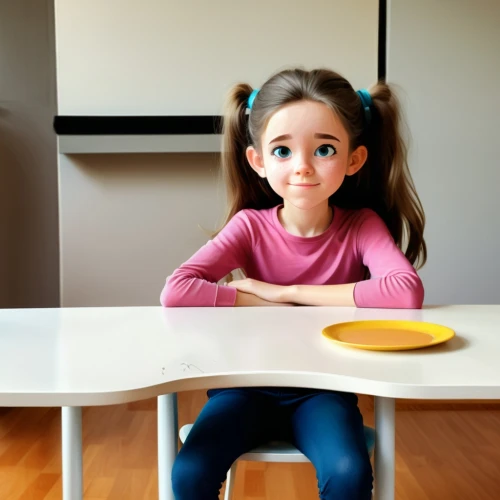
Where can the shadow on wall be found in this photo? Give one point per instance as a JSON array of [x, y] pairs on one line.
[[29, 255]]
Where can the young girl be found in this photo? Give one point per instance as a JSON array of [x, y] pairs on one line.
[[320, 202]]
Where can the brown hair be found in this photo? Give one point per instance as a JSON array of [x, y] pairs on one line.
[[384, 184]]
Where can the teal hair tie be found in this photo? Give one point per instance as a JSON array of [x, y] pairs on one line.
[[251, 98], [366, 102]]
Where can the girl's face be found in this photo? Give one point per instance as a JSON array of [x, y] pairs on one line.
[[305, 154]]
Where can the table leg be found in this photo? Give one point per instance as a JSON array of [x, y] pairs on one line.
[[385, 448], [167, 443], [72, 472]]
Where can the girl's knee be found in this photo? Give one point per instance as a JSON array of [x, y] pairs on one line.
[[348, 478], [189, 477], [196, 475]]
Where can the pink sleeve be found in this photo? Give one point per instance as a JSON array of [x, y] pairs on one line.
[[394, 283], [194, 283]]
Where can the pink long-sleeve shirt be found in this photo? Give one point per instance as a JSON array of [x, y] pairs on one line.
[[255, 240]]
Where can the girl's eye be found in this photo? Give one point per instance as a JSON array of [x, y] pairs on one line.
[[282, 152], [325, 150]]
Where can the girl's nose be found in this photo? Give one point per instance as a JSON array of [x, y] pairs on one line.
[[303, 167]]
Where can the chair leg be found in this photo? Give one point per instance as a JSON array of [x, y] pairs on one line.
[[230, 478]]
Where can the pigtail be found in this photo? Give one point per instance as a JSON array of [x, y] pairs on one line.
[[244, 188], [398, 202]]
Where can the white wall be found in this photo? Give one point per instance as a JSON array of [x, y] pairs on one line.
[[445, 55], [29, 253], [127, 221], [156, 57]]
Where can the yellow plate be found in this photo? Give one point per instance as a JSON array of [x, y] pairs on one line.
[[388, 335]]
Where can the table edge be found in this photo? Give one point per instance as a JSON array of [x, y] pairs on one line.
[[280, 379]]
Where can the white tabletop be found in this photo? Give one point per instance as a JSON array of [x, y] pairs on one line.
[[94, 356]]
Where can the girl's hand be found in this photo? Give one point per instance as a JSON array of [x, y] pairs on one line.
[[265, 291], [249, 300]]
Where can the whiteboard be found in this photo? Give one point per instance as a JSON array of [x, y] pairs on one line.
[[168, 57]]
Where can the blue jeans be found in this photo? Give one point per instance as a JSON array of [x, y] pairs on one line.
[[326, 426]]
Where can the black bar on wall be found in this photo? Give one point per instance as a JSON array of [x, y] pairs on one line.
[[382, 39], [137, 125]]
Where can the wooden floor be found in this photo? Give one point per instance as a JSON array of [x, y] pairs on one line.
[[441, 455]]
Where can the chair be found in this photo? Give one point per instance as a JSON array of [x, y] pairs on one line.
[[275, 451]]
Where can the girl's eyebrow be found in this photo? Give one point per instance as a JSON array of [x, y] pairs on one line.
[[287, 137], [326, 136]]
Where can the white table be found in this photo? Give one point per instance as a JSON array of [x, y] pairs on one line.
[[78, 357]]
